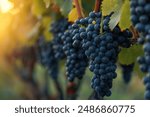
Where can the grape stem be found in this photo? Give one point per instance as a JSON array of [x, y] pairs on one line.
[[46, 86], [59, 89], [97, 5], [79, 9], [135, 34]]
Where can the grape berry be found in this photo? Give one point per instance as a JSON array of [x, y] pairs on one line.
[[140, 17]]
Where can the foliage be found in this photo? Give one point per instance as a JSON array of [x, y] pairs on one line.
[[121, 9], [22, 25]]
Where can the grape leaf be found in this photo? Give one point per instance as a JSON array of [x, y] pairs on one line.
[[121, 13], [65, 6], [73, 15], [38, 7], [115, 18], [47, 3], [46, 21], [125, 21], [108, 6], [129, 55]]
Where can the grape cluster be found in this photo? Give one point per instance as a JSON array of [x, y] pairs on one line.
[[83, 45], [127, 72], [140, 16], [102, 51], [76, 60], [147, 85], [144, 62], [57, 29], [103, 64], [47, 58]]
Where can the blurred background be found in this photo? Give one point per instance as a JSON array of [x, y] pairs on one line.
[[21, 77]]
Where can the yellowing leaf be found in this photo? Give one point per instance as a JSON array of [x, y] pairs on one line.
[[38, 7], [108, 6], [73, 15], [46, 21], [125, 21], [47, 3], [48, 36]]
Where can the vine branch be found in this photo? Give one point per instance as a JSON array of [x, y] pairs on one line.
[[97, 5], [79, 10]]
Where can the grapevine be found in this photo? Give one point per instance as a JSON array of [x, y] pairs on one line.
[[140, 17], [73, 49]]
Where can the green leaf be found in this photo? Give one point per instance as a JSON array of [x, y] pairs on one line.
[[65, 6], [129, 55], [108, 6], [121, 15], [115, 18], [125, 21]]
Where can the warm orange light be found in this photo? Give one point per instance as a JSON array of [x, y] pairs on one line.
[[5, 6]]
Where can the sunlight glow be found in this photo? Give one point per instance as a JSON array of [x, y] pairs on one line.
[[5, 6]]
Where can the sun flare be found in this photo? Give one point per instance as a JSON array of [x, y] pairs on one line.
[[5, 6]]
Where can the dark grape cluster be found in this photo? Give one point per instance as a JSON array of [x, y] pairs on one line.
[[47, 58], [144, 62], [127, 72], [147, 85], [57, 29], [102, 51], [76, 60], [140, 16], [88, 41]]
